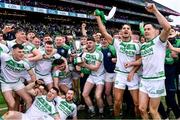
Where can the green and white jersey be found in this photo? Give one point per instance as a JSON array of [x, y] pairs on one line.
[[98, 45], [3, 48], [126, 52], [63, 75], [12, 70], [10, 44], [153, 58], [65, 109], [28, 47], [92, 58], [41, 108], [169, 60], [43, 66]]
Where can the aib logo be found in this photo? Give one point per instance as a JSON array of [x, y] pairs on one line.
[[109, 54], [62, 51]]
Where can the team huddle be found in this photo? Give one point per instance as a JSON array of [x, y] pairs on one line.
[[45, 76]]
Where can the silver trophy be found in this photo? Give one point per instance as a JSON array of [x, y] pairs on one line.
[[77, 44], [77, 51]]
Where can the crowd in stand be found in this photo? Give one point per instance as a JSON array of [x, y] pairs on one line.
[[52, 28]]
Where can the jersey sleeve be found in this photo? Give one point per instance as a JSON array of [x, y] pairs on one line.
[[115, 42], [32, 47], [8, 44], [27, 65], [55, 74], [4, 56], [57, 56], [74, 114], [113, 51], [4, 48], [137, 49], [159, 41], [53, 112], [100, 56]]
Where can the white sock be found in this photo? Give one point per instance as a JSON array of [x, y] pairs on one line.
[[101, 110], [91, 108]]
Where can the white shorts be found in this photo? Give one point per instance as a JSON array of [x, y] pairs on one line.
[[154, 88], [26, 76], [96, 79], [25, 117], [121, 81], [47, 78], [12, 86], [75, 75], [67, 82], [30, 117], [109, 77]]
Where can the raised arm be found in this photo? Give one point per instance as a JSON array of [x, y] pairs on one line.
[[103, 30], [91, 66], [162, 21], [83, 29], [173, 48], [36, 55]]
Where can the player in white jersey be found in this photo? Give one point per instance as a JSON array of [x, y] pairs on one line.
[[92, 59], [43, 67], [31, 53], [3, 48], [12, 69], [152, 85], [43, 108], [66, 107], [46, 38], [30, 36], [36, 41], [126, 50], [62, 76]]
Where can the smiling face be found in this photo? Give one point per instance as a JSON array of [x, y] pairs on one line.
[[21, 36], [18, 54], [59, 41], [36, 41], [30, 36], [47, 38], [49, 48], [104, 42], [83, 40], [96, 37]]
